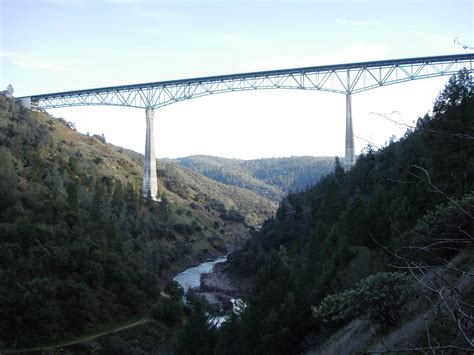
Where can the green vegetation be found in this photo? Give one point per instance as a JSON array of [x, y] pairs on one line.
[[86, 338], [271, 178], [169, 311], [79, 247], [200, 193], [333, 247], [197, 336], [381, 296]]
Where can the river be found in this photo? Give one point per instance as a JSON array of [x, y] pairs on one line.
[[191, 279]]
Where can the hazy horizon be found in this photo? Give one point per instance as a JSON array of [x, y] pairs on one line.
[[63, 45]]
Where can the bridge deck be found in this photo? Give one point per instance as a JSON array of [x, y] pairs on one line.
[[338, 78]]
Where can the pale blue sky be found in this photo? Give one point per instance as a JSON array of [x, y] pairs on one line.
[[56, 45]]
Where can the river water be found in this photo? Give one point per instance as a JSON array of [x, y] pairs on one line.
[[191, 278]]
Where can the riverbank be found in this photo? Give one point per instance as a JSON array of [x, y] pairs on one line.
[[220, 280], [212, 281], [223, 291], [191, 277]]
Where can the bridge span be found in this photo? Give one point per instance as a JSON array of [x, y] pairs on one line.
[[344, 79]]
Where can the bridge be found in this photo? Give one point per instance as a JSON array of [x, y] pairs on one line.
[[344, 79]]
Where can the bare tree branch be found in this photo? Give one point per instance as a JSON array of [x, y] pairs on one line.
[[403, 124], [419, 349]]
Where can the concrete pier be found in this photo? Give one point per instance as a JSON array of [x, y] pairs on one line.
[[150, 183], [349, 160], [26, 102]]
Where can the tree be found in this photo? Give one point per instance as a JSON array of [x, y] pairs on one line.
[[383, 296], [380, 296], [168, 311], [435, 256], [337, 308], [174, 290], [8, 179], [197, 337], [229, 340], [434, 251], [460, 89]]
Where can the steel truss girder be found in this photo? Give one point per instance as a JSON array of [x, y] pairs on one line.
[[340, 78]]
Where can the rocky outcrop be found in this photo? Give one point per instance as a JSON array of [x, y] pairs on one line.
[[221, 281]]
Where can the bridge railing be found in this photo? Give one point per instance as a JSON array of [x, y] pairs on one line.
[[340, 78]]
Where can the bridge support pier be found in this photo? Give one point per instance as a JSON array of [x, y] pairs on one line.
[[349, 160], [150, 182]]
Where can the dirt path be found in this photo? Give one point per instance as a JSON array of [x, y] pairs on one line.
[[83, 338]]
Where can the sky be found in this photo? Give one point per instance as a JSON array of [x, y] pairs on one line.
[[61, 45]]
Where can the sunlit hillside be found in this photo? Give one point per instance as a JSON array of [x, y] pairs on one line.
[[79, 245]]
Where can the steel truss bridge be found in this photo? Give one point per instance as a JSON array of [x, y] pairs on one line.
[[344, 79]]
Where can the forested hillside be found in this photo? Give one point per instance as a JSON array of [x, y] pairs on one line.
[[79, 246], [381, 256], [271, 178]]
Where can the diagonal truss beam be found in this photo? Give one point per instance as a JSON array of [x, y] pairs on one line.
[[339, 78]]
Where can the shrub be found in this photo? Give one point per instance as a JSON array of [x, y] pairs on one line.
[[174, 290], [168, 311], [380, 296], [338, 307], [383, 295]]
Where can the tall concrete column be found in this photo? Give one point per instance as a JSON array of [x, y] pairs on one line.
[[349, 160], [150, 183]]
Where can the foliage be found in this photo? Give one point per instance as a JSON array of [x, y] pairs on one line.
[[174, 290], [215, 196], [458, 91], [384, 294], [380, 296], [271, 178], [169, 311], [229, 341], [79, 247], [337, 232], [337, 307], [196, 337]]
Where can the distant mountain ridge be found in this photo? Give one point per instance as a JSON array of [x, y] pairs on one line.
[[272, 178]]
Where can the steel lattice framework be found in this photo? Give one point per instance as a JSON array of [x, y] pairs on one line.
[[340, 78]]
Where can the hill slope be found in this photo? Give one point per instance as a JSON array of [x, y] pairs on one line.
[[356, 262], [79, 247], [271, 178]]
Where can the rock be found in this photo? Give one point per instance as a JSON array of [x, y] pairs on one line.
[[219, 280]]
